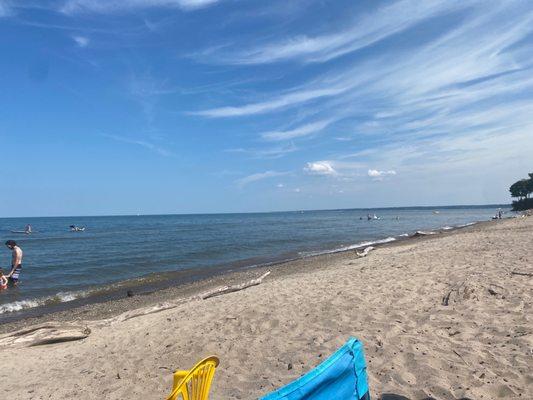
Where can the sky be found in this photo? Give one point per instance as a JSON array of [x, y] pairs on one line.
[[197, 106]]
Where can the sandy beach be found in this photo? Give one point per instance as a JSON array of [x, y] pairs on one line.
[[446, 317]]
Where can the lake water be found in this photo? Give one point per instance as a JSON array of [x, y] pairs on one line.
[[120, 252]]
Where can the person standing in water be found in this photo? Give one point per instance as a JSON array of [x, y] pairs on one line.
[[16, 262], [28, 229]]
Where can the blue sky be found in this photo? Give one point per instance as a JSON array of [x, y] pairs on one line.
[[178, 106]]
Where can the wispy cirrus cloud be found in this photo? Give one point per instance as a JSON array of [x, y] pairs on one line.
[[362, 31], [5, 9], [472, 77], [281, 102], [115, 6], [140, 142], [300, 131], [258, 177], [266, 152], [81, 41]]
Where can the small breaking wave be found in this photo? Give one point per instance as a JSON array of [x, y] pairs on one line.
[[61, 297], [465, 225]]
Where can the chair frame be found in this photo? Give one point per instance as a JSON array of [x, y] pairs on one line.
[[194, 382]]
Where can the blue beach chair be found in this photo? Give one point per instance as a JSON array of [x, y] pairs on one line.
[[340, 377]]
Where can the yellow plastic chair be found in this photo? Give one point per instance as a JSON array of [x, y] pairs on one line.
[[195, 383]]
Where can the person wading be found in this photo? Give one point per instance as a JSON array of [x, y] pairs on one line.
[[16, 262]]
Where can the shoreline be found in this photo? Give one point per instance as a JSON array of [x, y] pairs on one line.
[[49, 299], [443, 316], [101, 307]]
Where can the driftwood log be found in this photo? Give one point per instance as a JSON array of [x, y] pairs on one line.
[[423, 233], [365, 252], [234, 288], [146, 310], [173, 304], [44, 334]]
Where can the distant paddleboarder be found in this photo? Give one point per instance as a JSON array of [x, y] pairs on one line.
[[16, 262]]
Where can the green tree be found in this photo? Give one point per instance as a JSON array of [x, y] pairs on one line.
[[521, 189]]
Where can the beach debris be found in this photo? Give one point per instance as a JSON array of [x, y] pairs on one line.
[[521, 273], [446, 299], [130, 293], [460, 356], [175, 303], [365, 251], [424, 233], [145, 311], [458, 292], [44, 334], [234, 288], [474, 288]]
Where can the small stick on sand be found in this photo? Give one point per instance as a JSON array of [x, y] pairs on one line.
[[521, 273]]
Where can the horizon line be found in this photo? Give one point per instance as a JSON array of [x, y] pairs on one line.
[[258, 212]]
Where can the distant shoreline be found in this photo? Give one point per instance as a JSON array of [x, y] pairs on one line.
[[364, 209]]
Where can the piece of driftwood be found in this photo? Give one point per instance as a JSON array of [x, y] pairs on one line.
[[234, 288], [44, 334], [173, 304], [365, 252], [148, 310], [423, 233], [521, 273]]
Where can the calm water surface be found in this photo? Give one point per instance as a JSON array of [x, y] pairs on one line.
[[115, 252]]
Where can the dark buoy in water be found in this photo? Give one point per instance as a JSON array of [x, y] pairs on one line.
[[129, 293]]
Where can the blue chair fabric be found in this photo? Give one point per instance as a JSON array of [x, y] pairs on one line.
[[341, 377]]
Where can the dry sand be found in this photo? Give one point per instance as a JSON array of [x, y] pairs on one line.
[[479, 346]]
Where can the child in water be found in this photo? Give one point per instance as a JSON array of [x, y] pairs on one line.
[[3, 281]]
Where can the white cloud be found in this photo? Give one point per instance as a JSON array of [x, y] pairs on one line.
[[323, 168], [303, 130], [258, 177], [280, 185], [81, 41], [114, 6], [374, 173], [286, 100], [361, 32], [266, 153]]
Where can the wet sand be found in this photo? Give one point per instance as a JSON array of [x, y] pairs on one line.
[[479, 345]]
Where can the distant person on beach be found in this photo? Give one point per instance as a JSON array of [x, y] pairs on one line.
[[16, 262], [3, 280]]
